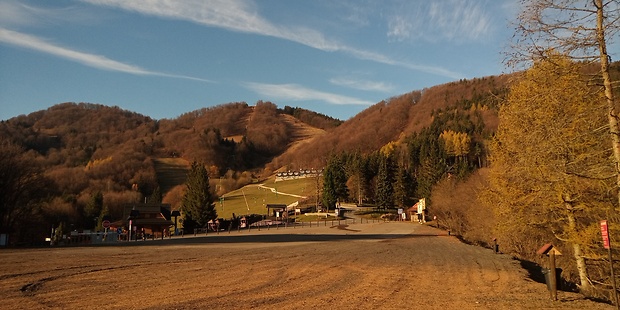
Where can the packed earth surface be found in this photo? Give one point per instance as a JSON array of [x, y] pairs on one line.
[[376, 265]]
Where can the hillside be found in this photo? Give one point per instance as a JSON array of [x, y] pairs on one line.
[[90, 149], [170, 172], [96, 156], [398, 117]]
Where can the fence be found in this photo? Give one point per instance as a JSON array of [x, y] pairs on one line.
[[273, 224]]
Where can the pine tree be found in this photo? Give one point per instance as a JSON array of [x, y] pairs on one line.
[[198, 205], [334, 182], [360, 176], [404, 188], [385, 182]]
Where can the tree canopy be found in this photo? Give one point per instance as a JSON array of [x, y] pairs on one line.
[[551, 176], [334, 182]]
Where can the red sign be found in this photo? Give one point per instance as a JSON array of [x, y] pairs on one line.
[[605, 234], [105, 224]]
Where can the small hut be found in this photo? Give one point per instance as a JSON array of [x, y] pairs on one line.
[[276, 210]]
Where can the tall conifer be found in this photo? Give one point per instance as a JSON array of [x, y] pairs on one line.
[[198, 205]]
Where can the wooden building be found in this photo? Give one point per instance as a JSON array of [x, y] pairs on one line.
[[152, 220]]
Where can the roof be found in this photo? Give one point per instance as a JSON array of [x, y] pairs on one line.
[[548, 248], [147, 215]]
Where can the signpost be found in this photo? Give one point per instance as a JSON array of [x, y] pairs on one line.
[[106, 225], [607, 245], [551, 276]]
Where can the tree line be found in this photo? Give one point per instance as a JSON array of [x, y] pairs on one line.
[[401, 172]]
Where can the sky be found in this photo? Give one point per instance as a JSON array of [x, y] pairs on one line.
[[164, 58]]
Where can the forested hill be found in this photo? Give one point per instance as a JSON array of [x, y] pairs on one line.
[[89, 153], [396, 119], [88, 147]]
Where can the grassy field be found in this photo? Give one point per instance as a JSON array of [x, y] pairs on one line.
[[173, 171], [252, 199]]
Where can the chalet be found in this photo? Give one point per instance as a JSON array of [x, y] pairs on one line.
[[150, 219]]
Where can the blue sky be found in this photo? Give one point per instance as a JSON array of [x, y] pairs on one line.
[[163, 58]]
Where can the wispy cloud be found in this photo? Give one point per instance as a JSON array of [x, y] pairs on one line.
[[458, 20], [296, 92], [399, 28], [233, 15], [96, 61], [362, 84], [389, 61], [243, 16], [14, 13]]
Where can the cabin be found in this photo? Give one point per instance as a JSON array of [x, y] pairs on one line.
[[141, 221]]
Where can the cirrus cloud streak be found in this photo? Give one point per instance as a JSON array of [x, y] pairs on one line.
[[297, 92], [242, 16], [27, 41]]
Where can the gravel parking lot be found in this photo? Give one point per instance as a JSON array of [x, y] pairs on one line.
[[357, 266]]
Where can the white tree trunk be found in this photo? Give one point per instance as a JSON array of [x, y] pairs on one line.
[[584, 285]]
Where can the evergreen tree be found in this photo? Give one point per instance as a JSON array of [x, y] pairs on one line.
[[385, 182], [334, 182], [432, 166], [360, 177], [198, 205], [404, 188]]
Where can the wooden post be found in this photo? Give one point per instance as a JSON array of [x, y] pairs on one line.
[[549, 250], [613, 278], [552, 277], [607, 244]]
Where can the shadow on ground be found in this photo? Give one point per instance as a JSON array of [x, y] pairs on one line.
[[271, 238]]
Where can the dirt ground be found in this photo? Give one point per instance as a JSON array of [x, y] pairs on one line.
[[360, 266]]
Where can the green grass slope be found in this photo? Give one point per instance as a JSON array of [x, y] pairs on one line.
[[253, 199]]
